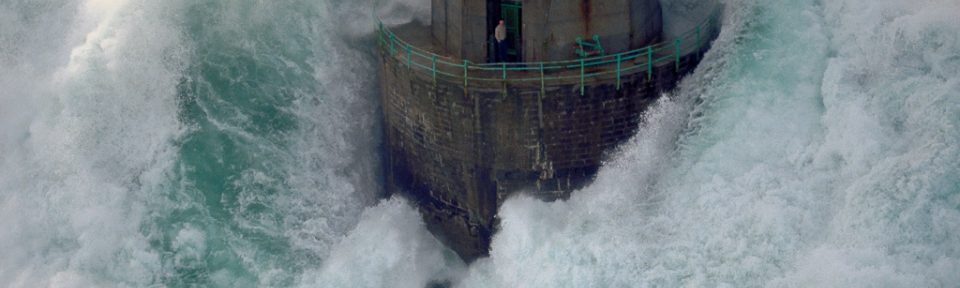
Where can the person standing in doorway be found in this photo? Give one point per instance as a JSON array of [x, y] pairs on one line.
[[500, 35]]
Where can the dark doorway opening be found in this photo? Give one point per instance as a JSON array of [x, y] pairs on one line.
[[511, 12]]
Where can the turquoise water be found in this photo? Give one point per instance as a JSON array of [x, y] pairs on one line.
[[181, 143], [235, 144]]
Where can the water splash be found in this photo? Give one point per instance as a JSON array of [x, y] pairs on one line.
[[233, 144], [92, 138]]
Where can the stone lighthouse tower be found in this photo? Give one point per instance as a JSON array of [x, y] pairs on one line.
[[464, 132]]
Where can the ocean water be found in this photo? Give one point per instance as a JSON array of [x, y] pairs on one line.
[[236, 144]]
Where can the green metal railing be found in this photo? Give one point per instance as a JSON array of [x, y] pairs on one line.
[[576, 70]]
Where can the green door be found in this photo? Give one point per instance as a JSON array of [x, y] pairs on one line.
[[510, 12]]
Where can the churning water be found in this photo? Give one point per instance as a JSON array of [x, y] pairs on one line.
[[235, 144]]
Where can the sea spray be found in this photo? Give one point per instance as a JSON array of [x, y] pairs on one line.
[[817, 156], [392, 248], [233, 144], [90, 144]]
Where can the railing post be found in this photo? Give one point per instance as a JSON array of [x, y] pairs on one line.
[[393, 51], [543, 84], [433, 69], [408, 56], [503, 83], [676, 54], [581, 76], [465, 66], [618, 70], [503, 68], [649, 63], [380, 31]]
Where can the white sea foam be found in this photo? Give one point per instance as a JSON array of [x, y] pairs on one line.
[[390, 247], [819, 157], [816, 146], [90, 138], [335, 169]]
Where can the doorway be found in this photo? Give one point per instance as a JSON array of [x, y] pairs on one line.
[[511, 13]]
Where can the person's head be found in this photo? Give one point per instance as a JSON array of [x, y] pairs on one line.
[[501, 21]]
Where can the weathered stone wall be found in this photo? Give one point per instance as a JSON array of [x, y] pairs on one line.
[[552, 26], [459, 152], [461, 28]]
